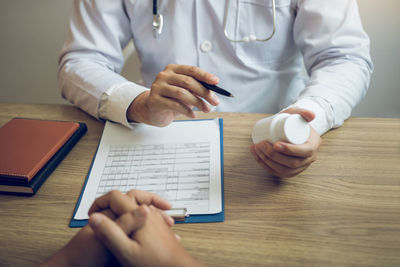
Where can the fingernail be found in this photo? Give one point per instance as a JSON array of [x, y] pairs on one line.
[[215, 98], [214, 79], [95, 219], [278, 147]]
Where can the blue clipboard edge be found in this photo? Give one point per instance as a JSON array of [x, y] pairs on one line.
[[204, 218]]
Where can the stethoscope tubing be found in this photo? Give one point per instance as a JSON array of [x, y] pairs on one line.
[[158, 25]]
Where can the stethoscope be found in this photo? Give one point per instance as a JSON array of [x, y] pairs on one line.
[[158, 25]]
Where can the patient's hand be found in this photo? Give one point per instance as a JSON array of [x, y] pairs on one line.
[[84, 249]]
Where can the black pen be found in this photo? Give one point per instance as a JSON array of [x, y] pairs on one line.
[[216, 89]]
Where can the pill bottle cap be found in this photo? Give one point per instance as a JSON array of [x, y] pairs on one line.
[[284, 127], [296, 130]]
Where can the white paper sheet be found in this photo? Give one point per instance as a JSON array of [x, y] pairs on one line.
[[180, 162]]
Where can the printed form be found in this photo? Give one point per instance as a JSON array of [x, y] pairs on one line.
[[180, 162]]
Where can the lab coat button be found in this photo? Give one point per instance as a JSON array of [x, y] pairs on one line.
[[206, 46]]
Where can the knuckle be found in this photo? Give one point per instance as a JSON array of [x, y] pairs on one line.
[[131, 192], [155, 87], [199, 102], [170, 66], [161, 75], [179, 94], [186, 82], [151, 100], [270, 153], [295, 164], [114, 193], [192, 69]]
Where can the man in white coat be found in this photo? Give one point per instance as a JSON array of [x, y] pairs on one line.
[[325, 37]]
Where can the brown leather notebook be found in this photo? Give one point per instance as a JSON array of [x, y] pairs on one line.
[[26, 145]]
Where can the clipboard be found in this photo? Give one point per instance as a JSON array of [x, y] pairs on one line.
[[181, 216]]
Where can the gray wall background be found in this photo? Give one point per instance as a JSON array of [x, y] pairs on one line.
[[32, 33]]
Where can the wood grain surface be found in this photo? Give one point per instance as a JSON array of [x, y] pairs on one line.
[[343, 211]]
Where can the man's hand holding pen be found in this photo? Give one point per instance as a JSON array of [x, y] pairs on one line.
[[176, 90]]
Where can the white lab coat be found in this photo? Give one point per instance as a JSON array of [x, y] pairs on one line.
[[264, 77]]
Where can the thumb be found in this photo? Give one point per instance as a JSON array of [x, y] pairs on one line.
[[113, 237], [306, 114], [132, 221]]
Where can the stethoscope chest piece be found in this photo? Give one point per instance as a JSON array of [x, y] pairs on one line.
[[157, 25], [157, 21]]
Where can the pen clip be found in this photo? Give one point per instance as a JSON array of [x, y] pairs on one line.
[[179, 214]]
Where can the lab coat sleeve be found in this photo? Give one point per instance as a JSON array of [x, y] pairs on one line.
[[92, 58], [336, 56]]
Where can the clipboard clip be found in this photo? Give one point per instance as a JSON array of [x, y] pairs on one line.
[[179, 214]]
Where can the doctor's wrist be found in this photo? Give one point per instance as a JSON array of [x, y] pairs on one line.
[[137, 110]]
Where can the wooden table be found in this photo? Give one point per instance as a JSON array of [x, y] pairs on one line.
[[343, 210]]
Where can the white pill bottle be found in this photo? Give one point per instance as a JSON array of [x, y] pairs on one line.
[[291, 128]]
